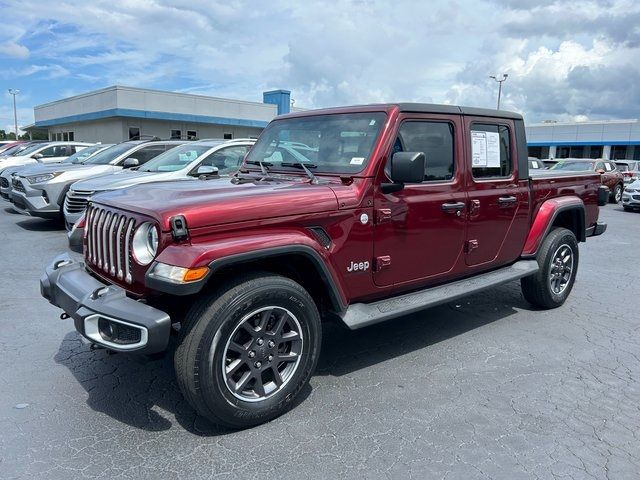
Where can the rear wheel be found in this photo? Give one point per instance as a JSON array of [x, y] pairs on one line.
[[558, 261], [246, 352], [616, 195]]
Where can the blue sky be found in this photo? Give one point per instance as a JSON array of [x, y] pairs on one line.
[[565, 59]]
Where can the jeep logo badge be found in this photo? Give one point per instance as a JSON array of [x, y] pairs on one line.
[[354, 267]]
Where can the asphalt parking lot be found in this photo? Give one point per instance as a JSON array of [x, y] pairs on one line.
[[486, 387]]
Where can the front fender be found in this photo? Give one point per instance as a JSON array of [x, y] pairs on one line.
[[252, 246], [543, 221]]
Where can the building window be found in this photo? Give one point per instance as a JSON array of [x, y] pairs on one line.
[[618, 152], [596, 151], [71, 136], [192, 134], [228, 136], [134, 133], [563, 152], [176, 134], [65, 136]]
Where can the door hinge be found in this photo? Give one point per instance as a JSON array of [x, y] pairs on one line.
[[472, 245], [383, 262], [383, 215]]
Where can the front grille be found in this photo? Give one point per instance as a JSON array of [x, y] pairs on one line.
[[76, 200], [635, 197], [17, 185], [4, 183], [109, 236]]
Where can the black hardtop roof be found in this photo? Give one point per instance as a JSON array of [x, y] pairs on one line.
[[457, 110]]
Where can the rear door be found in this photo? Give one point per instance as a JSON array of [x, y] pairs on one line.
[[419, 230], [498, 201]]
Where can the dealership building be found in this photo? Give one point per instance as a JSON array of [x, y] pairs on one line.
[[115, 114], [611, 139]]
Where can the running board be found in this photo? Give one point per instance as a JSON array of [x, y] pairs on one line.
[[361, 315]]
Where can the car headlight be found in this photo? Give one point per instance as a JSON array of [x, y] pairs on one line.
[[43, 177], [145, 243]]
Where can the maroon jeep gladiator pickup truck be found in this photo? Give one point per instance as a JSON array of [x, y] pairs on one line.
[[357, 215]]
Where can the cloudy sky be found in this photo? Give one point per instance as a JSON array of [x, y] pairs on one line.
[[565, 59]]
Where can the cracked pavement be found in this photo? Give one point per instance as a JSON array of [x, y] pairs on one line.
[[482, 388]]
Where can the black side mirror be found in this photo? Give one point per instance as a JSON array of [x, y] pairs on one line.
[[131, 162], [406, 167]]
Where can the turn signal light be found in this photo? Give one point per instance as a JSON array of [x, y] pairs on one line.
[[193, 274]]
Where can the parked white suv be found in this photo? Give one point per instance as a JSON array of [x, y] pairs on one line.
[[49, 152]]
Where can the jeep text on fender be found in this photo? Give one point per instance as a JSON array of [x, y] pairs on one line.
[[356, 214]]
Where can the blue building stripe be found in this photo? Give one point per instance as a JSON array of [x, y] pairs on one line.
[[132, 113]]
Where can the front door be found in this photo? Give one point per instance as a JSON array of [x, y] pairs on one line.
[[498, 201], [420, 230]]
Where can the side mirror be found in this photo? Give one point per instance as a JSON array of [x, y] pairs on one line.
[[600, 171], [131, 162], [207, 170], [406, 167], [37, 156]]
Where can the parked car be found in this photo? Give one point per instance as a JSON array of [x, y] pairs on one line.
[[4, 146], [535, 164], [186, 162], [35, 189], [609, 175], [629, 169], [250, 265], [15, 150], [49, 152], [51, 192], [631, 196]]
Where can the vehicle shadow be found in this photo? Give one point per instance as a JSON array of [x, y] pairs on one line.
[[11, 211], [136, 390], [40, 225]]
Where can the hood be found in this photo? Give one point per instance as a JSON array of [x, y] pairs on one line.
[[122, 179], [15, 161], [221, 201], [39, 169]]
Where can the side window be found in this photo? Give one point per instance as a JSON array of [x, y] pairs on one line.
[[490, 151], [226, 160], [435, 140], [54, 151], [599, 166], [147, 153], [609, 167]]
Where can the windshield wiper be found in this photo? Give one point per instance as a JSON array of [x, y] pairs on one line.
[[305, 167], [263, 165]]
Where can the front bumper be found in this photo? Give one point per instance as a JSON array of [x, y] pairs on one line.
[[38, 202], [598, 229], [93, 304]]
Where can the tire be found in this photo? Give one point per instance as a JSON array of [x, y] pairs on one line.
[[616, 194], [541, 289], [206, 352]]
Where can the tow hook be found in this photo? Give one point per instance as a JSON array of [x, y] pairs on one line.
[[64, 316]]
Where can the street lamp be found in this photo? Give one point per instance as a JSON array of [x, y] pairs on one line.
[[15, 92], [504, 77]]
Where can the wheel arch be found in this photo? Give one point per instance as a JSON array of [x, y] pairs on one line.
[[565, 212]]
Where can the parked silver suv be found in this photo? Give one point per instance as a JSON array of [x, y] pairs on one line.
[[186, 162], [42, 188]]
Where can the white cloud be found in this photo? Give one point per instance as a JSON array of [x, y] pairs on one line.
[[13, 49]]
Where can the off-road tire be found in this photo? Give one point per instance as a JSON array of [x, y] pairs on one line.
[[202, 346], [537, 289]]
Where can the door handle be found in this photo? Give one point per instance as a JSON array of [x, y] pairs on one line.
[[456, 207], [506, 201]]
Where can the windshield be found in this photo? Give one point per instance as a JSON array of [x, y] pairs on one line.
[[573, 166], [338, 143], [12, 150], [82, 155], [31, 148], [176, 158], [107, 155]]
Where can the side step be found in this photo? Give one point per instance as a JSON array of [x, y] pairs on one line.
[[361, 315]]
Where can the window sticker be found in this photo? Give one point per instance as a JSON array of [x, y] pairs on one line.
[[485, 149], [357, 160]]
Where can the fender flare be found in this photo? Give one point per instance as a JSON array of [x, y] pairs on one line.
[[546, 216]]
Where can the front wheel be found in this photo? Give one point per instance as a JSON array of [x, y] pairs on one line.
[[246, 352], [616, 195], [558, 261]]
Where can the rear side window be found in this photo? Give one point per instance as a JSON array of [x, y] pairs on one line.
[[609, 167], [435, 140], [490, 151]]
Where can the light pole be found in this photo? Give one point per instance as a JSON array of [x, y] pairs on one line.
[[15, 92], [504, 77]]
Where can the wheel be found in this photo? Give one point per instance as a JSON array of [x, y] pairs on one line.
[[616, 195], [558, 261], [245, 352]]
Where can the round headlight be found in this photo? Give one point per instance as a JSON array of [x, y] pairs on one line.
[[145, 243]]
